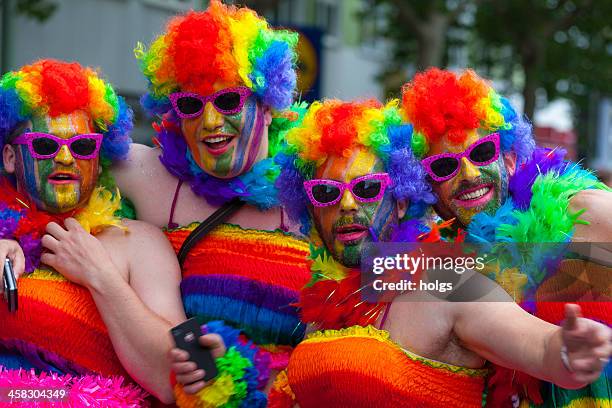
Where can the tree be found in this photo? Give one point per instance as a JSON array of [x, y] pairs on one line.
[[562, 46], [37, 9], [419, 33]]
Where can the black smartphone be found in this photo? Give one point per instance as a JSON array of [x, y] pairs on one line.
[[186, 337], [10, 286]]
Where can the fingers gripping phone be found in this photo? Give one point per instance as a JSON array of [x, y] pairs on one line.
[[10, 286], [186, 337]]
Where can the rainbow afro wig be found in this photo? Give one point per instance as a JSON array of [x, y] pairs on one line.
[[225, 44], [53, 88], [444, 105], [336, 128]]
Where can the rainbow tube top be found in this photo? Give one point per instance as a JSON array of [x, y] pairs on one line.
[[361, 367], [250, 279], [57, 335]]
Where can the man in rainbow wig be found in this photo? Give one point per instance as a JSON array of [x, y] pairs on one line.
[[488, 175], [220, 80], [350, 168], [97, 296]]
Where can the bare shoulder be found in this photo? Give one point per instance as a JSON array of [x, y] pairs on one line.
[[143, 233], [592, 200], [137, 235], [142, 162], [598, 207]]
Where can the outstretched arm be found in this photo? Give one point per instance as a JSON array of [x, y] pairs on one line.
[[138, 307], [506, 335]]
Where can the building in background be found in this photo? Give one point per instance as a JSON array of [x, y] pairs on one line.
[[341, 53], [338, 61]]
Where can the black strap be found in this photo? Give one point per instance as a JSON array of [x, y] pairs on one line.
[[216, 218]]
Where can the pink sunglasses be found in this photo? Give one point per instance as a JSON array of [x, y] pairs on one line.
[[228, 101], [365, 189], [46, 146], [445, 166]]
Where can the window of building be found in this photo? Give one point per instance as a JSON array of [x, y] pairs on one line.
[[175, 5], [327, 17]]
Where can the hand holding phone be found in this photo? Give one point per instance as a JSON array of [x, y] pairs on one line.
[[10, 286], [186, 337]]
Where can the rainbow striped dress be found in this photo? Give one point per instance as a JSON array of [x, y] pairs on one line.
[[250, 279], [58, 339]]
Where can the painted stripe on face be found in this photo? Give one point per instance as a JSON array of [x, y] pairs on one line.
[[34, 178], [30, 177], [256, 139], [384, 217], [248, 120], [360, 163]]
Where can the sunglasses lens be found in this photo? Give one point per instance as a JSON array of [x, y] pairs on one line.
[[188, 105], [44, 146], [84, 146], [444, 166], [483, 153], [324, 193], [367, 188], [228, 101]]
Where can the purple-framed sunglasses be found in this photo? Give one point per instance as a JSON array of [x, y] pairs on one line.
[[228, 101], [46, 146], [445, 166], [365, 189]]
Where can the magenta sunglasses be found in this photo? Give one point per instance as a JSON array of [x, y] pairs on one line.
[[46, 146], [365, 189], [228, 101], [445, 166]]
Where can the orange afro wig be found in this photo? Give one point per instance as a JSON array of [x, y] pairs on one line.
[[444, 105]]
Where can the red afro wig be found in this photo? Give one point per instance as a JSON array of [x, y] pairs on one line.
[[338, 125], [201, 50], [63, 87], [443, 104]]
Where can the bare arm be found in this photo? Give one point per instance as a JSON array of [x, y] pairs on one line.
[[508, 336], [138, 311]]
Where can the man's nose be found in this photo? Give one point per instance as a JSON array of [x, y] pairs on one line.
[[468, 170], [212, 119], [347, 202], [64, 156]]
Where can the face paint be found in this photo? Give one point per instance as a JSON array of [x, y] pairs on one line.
[[345, 226], [474, 189], [226, 146], [61, 183]]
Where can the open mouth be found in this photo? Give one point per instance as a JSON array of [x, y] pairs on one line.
[[351, 233], [62, 178], [475, 196], [219, 143]]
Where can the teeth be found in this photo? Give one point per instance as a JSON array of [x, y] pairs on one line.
[[474, 194], [217, 139]]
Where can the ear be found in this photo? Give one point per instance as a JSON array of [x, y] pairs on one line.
[[402, 207], [510, 162], [8, 158], [267, 116]]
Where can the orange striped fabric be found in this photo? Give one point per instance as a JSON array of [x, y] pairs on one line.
[[60, 322], [362, 367]]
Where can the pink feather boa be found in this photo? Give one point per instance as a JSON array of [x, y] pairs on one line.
[[82, 391]]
